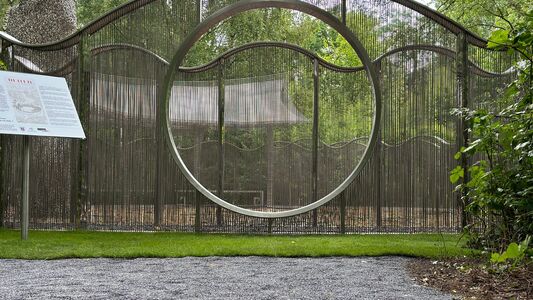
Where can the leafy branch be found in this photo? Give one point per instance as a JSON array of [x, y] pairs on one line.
[[499, 192]]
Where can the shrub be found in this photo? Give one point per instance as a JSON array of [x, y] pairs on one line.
[[499, 191]]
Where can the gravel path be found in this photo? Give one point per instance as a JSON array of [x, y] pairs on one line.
[[212, 278]]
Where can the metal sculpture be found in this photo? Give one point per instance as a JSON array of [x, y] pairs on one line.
[[129, 73]]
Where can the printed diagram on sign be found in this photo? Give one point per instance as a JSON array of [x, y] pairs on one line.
[[26, 103]]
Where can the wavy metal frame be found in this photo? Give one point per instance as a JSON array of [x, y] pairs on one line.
[[129, 7], [70, 66], [247, 5], [477, 70]]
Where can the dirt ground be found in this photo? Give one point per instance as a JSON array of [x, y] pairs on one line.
[[473, 279]]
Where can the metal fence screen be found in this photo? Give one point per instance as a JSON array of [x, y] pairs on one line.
[[263, 116]]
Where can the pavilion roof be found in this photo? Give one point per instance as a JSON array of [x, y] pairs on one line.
[[247, 102]]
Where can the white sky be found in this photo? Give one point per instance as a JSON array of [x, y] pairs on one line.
[[426, 2]]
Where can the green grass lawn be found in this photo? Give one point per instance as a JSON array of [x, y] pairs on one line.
[[80, 244]]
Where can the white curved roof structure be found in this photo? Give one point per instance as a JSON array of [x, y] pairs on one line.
[[247, 102]]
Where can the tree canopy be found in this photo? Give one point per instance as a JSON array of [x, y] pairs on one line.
[[484, 16]]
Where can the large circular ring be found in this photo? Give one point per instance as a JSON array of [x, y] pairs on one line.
[[226, 13]]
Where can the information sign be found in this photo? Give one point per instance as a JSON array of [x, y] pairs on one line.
[[37, 105]]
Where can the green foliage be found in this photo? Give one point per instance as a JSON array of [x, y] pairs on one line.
[[515, 254], [456, 174], [5, 5], [2, 65], [89, 10], [500, 188], [280, 25], [483, 16]]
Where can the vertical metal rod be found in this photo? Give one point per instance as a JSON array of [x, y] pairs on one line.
[[159, 145], [269, 157], [343, 12], [379, 163], [461, 64], [197, 165], [24, 214], [74, 170], [437, 196], [199, 11], [221, 103], [378, 184], [377, 167], [343, 212], [2, 151], [314, 184], [82, 190], [12, 59], [76, 147], [197, 212], [4, 55]]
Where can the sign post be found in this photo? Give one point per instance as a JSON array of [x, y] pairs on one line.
[[25, 205], [35, 105]]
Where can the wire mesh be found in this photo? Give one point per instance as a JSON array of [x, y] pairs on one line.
[[261, 156]]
